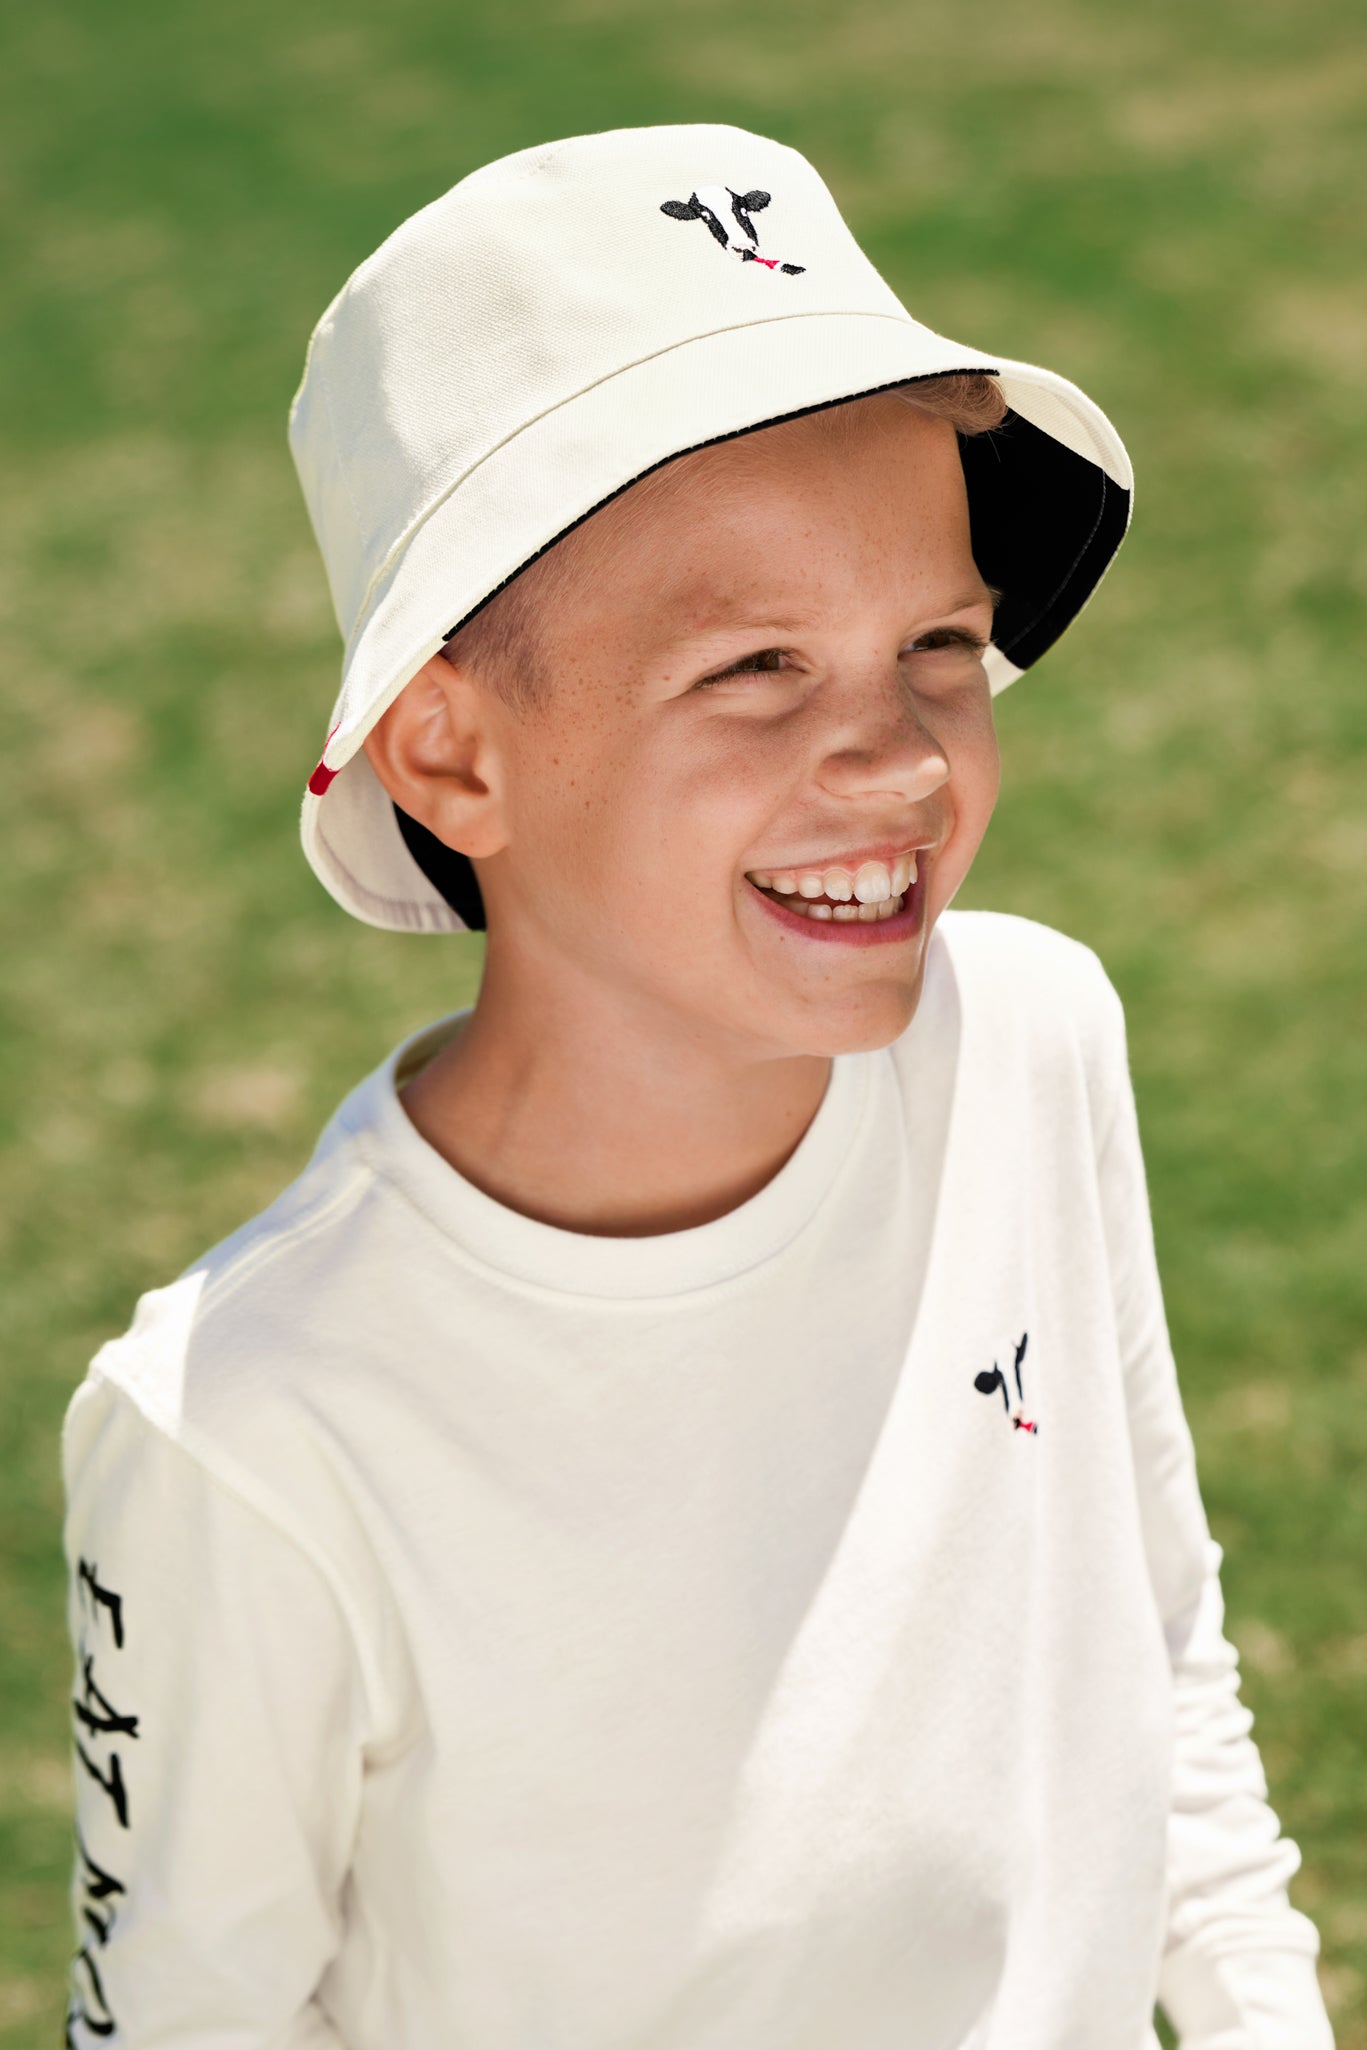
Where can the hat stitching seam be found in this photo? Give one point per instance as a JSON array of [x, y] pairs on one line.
[[402, 907]]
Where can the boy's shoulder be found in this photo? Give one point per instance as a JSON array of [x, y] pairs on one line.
[[233, 1381], [235, 1353], [1032, 966], [1036, 1006]]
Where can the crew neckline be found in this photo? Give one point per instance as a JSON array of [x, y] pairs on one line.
[[534, 1254]]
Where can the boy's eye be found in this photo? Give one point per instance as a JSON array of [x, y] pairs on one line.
[[764, 659], [954, 637], [767, 660]]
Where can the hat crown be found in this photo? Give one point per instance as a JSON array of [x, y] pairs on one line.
[[527, 283]]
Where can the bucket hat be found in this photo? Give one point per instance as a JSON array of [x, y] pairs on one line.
[[563, 321]]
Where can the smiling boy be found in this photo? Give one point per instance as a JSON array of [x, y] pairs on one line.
[[678, 1531], [629, 833]]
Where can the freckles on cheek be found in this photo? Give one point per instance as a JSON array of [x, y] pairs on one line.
[[738, 788], [661, 814]]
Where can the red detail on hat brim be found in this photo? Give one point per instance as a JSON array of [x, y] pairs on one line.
[[322, 775]]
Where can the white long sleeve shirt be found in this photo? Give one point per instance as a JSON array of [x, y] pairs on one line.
[[800, 1632]]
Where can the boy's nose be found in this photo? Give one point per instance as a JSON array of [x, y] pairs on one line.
[[884, 745]]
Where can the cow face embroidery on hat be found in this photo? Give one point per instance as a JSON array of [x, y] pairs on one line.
[[727, 218], [987, 1383]]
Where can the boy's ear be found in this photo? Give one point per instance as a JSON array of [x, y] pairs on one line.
[[435, 757]]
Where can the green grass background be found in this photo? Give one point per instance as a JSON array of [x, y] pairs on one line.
[[1165, 204]]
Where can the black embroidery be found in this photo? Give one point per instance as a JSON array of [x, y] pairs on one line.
[[89, 2006], [988, 1383], [113, 1786], [726, 216], [101, 1924], [108, 1724], [99, 1891], [98, 1883], [88, 1577]]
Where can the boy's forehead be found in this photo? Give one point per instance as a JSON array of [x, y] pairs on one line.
[[696, 533], [787, 589], [705, 607], [707, 595]]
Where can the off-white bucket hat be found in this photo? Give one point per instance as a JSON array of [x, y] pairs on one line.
[[563, 321]]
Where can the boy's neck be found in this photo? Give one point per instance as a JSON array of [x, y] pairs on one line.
[[609, 1136]]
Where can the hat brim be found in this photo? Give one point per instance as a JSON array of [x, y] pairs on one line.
[[1050, 497]]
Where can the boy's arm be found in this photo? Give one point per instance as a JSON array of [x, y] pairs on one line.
[[1238, 1970], [216, 1750], [1239, 1965]]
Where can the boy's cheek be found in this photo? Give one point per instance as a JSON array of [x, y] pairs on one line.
[[970, 746], [971, 797]]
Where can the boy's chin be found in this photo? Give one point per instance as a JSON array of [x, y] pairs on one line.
[[861, 1025]]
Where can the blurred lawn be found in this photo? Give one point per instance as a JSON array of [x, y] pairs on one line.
[[1164, 204]]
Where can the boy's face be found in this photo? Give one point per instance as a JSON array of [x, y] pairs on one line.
[[754, 669]]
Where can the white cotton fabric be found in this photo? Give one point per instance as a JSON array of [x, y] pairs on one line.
[[538, 1641]]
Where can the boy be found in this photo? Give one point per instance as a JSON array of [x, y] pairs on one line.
[[678, 1531]]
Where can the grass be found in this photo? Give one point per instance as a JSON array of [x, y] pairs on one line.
[[1164, 204]]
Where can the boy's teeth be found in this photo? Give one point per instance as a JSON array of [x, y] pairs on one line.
[[873, 882], [867, 914]]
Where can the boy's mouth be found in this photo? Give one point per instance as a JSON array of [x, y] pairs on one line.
[[898, 916], [833, 908], [875, 891]]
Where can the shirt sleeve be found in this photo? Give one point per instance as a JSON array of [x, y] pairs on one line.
[[217, 1732], [1238, 1969]]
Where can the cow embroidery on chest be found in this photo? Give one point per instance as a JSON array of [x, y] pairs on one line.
[[987, 1383], [726, 216]]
